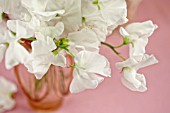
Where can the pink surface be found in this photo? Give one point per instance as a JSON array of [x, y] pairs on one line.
[[112, 96]]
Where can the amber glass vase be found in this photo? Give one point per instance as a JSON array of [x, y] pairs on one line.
[[47, 93]]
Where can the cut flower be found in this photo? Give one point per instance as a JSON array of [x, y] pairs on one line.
[[131, 79], [87, 66]]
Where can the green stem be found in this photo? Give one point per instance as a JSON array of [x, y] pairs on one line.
[[119, 46], [114, 50], [31, 39], [69, 52], [55, 52]]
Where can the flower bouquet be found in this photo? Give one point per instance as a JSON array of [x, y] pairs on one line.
[[55, 45]]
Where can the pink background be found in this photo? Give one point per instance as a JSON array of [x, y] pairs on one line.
[[112, 96]]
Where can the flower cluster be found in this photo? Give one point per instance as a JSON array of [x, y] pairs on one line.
[[55, 28]]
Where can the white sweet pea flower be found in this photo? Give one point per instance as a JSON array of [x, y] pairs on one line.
[[138, 34], [85, 38], [15, 53], [72, 18], [87, 66], [7, 89], [111, 12], [131, 79], [39, 8], [42, 57]]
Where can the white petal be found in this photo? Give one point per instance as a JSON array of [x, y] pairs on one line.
[[47, 16], [93, 63], [7, 87], [15, 54], [36, 5], [141, 78], [98, 25], [127, 63], [130, 75], [113, 11], [72, 18], [7, 103], [42, 45], [122, 21], [76, 86], [28, 63], [142, 30], [40, 65], [3, 29], [83, 81], [58, 60], [2, 51], [86, 38], [101, 34], [139, 47], [146, 61], [21, 29], [123, 32], [134, 81], [53, 32]]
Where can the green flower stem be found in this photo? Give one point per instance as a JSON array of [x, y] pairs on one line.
[[119, 46], [31, 39], [69, 52], [55, 52], [4, 16], [114, 50]]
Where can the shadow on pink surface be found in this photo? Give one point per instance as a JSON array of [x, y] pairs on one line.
[[112, 96]]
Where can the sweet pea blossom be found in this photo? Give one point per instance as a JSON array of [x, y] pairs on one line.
[[41, 57], [72, 17], [38, 8], [114, 12], [15, 53], [131, 79], [87, 66], [7, 89], [110, 12], [137, 34], [84, 39]]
